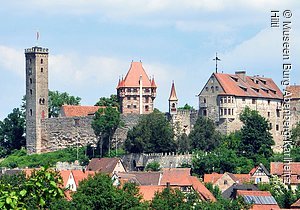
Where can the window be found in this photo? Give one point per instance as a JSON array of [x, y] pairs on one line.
[[217, 88], [269, 101], [42, 101], [225, 100], [204, 100], [134, 98], [30, 91], [253, 101], [147, 100], [229, 111], [128, 106], [221, 100], [30, 111], [269, 114], [221, 112], [147, 108], [277, 113], [270, 125], [134, 90], [128, 97], [225, 111], [134, 106], [206, 88], [76, 122], [42, 61], [147, 90], [204, 112], [42, 69], [30, 80], [225, 182], [129, 90], [277, 127], [243, 99], [212, 89], [229, 99]]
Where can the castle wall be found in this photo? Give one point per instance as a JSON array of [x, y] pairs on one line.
[[165, 160], [62, 132], [183, 121]]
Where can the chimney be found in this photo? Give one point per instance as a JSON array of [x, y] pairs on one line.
[[241, 74], [168, 184]]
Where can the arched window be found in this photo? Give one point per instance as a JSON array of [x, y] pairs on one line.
[[147, 108], [42, 61], [173, 105]]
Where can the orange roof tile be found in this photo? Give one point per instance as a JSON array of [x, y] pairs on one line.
[[148, 191], [259, 87], [201, 189], [65, 174], [242, 178], [212, 177], [276, 168], [295, 91], [153, 84], [133, 76], [265, 207], [176, 176], [78, 111], [80, 175], [103, 165], [253, 193], [173, 96]]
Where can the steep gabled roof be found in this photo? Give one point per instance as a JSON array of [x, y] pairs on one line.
[[148, 191], [176, 176], [133, 77], [253, 170], [201, 189], [141, 178], [251, 86], [212, 178], [173, 96], [103, 165], [78, 111], [80, 175]]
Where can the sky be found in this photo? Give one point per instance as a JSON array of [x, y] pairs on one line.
[[92, 43]]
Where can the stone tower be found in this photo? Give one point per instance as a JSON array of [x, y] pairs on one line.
[[173, 100], [36, 95], [136, 92]]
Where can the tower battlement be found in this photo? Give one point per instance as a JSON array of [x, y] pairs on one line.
[[36, 49]]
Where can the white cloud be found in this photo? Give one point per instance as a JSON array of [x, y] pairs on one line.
[[12, 60]]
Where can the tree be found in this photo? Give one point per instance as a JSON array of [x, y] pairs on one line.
[[57, 99], [295, 137], [105, 122], [256, 139], [111, 101], [153, 133], [204, 135], [12, 132], [153, 166], [186, 107], [98, 193], [35, 192], [184, 144]]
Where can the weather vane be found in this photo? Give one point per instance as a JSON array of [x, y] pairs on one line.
[[217, 59]]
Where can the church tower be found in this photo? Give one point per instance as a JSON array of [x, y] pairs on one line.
[[173, 100], [36, 95]]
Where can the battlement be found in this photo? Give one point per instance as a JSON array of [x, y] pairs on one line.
[[36, 49]]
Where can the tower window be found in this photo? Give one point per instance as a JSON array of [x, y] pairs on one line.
[[204, 112], [147, 100], [42, 69], [42, 61], [30, 91], [277, 127], [128, 106], [147, 108], [30, 80], [134, 106], [204, 100], [128, 97], [269, 101], [30, 111], [277, 113], [269, 114], [42, 101]]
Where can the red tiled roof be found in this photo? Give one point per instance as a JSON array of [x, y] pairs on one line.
[[77, 111], [233, 84], [276, 168], [295, 91], [242, 178], [265, 207], [141, 178], [65, 174], [212, 177], [103, 165], [133, 76], [201, 189], [173, 96], [153, 84], [79, 175], [176, 176], [148, 192], [253, 193]]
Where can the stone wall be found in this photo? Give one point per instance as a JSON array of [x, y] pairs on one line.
[[183, 121], [62, 132], [134, 161]]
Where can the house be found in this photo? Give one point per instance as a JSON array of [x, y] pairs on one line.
[[140, 178], [148, 191], [78, 111], [260, 200], [136, 92], [71, 178], [230, 193], [106, 165], [260, 174], [226, 180], [276, 168], [225, 96]]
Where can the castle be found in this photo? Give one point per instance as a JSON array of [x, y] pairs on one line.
[[222, 99]]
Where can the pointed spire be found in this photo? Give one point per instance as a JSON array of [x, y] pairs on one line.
[[153, 84], [173, 96]]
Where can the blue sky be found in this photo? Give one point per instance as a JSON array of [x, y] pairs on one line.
[[92, 43]]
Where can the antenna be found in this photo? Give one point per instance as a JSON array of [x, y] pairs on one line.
[[217, 59]]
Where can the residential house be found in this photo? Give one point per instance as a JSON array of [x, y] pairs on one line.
[[276, 168], [260, 174], [106, 165]]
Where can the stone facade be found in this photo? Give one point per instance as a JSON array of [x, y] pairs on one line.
[[36, 61], [183, 121], [224, 104]]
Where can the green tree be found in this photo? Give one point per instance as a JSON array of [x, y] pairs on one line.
[[57, 99], [153, 166], [295, 137], [111, 101], [98, 193], [186, 107], [12, 133], [183, 143], [153, 133], [256, 139], [204, 135], [170, 199], [105, 122]]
